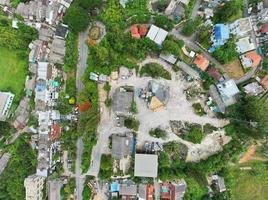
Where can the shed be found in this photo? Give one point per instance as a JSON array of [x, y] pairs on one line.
[[146, 165]]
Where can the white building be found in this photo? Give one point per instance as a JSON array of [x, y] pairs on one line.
[[146, 165], [240, 27], [6, 99], [244, 45], [156, 34], [34, 185]]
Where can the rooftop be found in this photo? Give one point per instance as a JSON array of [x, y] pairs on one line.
[[201, 62], [122, 100], [122, 145], [146, 165], [61, 31], [156, 34]]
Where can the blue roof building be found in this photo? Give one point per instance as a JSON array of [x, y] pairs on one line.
[[114, 187], [220, 35]]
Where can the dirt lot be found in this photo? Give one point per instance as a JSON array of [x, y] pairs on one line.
[[234, 69]]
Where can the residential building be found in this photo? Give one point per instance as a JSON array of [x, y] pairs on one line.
[[122, 145], [61, 31], [201, 62], [54, 187], [146, 165], [156, 34], [220, 35], [34, 187], [244, 45], [241, 27], [264, 82], [6, 99], [170, 58], [253, 89], [135, 32], [250, 59], [142, 192], [3, 161], [122, 100], [128, 191]]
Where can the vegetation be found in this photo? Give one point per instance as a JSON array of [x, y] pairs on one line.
[[249, 117], [68, 189], [21, 164], [70, 62], [207, 80], [108, 102], [158, 133], [133, 107], [229, 12], [226, 53], [155, 71], [6, 131], [14, 55], [164, 22], [195, 134], [106, 167], [199, 109], [86, 191], [132, 123], [190, 26], [203, 36], [189, 8], [171, 46]]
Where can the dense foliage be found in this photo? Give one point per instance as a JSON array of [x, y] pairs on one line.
[[164, 22], [132, 123], [106, 167], [155, 71], [21, 164], [158, 133], [226, 53], [172, 46], [229, 12]]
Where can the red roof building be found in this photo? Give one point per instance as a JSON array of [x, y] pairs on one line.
[[264, 82], [143, 30], [166, 191], [135, 32], [84, 107], [264, 28], [201, 62], [55, 132], [255, 58], [150, 192], [212, 71]]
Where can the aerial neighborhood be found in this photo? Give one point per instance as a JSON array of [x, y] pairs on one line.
[[133, 99]]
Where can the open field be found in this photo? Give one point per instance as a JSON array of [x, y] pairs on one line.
[[13, 72], [234, 69], [254, 181]]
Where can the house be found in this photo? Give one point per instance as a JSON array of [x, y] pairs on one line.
[[264, 82], [61, 31], [156, 34], [143, 30], [170, 58], [34, 185], [175, 9], [220, 34], [114, 189], [146, 165], [241, 27], [250, 59], [54, 187], [3, 161], [150, 192], [42, 71], [224, 94], [135, 32], [122, 100], [201, 62], [142, 192], [218, 182], [179, 189], [55, 132], [253, 89], [6, 99], [160, 95], [122, 145], [128, 191], [244, 45], [166, 192], [214, 72], [264, 28], [57, 51]]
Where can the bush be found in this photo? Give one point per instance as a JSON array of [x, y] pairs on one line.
[[158, 133], [107, 87], [199, 109], [226, 53], [188, 28], [164, 22], [106, 167], [195, 135], [108, 102], [132, 123], [155, 71], [133, 107]]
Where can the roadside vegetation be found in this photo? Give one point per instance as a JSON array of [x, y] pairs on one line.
[[106, 167], [68, 189], [155, 70]]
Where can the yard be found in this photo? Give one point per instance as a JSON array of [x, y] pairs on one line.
[[234, 69], [14, 71]]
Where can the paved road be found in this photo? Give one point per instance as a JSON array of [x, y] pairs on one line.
[[79, 179], [195, 9], [82, 59], [190, 43]]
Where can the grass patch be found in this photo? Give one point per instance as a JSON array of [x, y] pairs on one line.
[[195, 134], [132, 123], [14, 71], [198, 109], [155, 71]]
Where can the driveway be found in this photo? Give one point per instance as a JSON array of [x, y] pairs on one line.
[[79, 179]]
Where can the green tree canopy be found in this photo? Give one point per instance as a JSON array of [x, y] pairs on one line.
[[226, 53], [164, 22]]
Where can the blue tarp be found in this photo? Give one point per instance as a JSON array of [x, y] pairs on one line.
[[114, 187], [221, 32]]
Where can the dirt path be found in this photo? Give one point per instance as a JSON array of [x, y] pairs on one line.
[[248, 155]]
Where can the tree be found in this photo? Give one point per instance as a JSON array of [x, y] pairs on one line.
[[226, 53], [188, 28], [229, 12], [171, 47], [77, 18], [88, 4], [164, 22]]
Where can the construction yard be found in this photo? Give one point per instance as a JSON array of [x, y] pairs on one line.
[[176, 108]]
